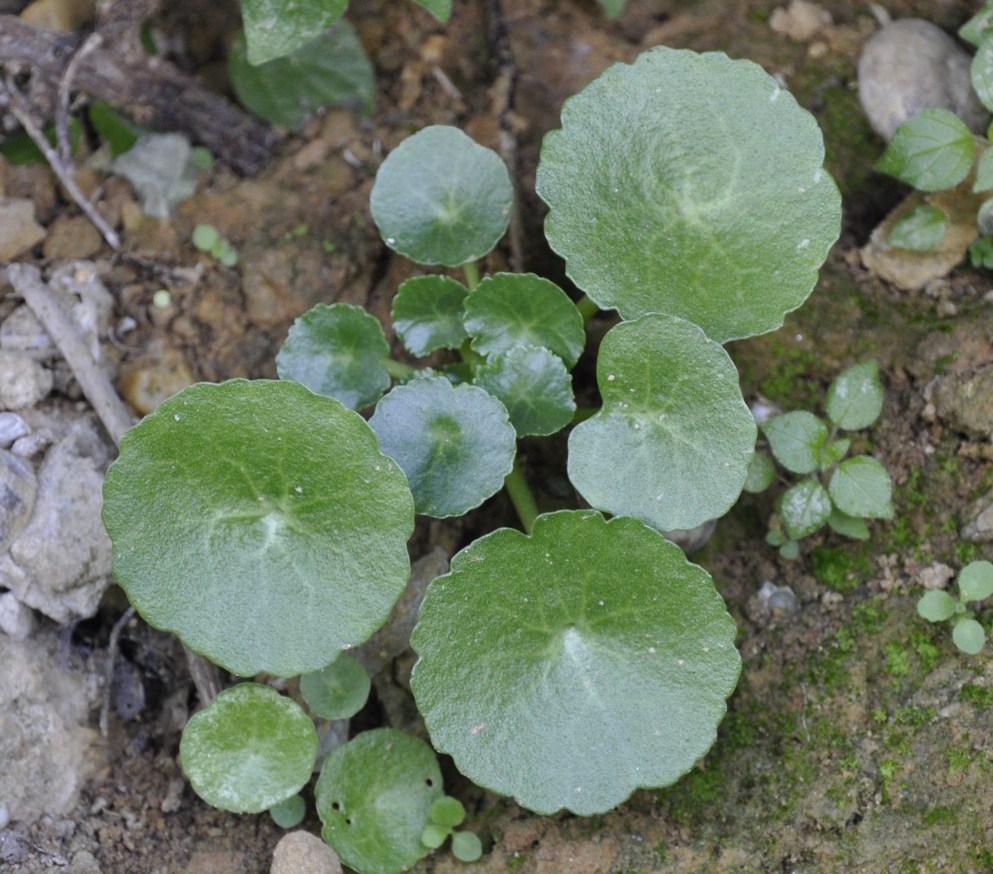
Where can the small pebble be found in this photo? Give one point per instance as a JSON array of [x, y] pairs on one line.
[[22, 332], [33, 443], [12, 427], [23, 382], [301, 851]]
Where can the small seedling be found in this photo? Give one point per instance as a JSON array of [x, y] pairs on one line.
[[447, 813], [207, 239], [975, 583]]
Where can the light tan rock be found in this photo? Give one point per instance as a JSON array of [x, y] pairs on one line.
[[801, 20], [19, 232], [300, 852]]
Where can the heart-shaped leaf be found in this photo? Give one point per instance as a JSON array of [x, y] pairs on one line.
[[428, 312], [374, 797], [455, 444], [976, 581], [796, 440], [340, 351], [932, 150], [274, 28], [338, 691], [440, 198], [693, 185], [249, 749], [849, 526], [674, 439], [861, 486], [246, 516], [804, 508], [570, 667], [855, 397]]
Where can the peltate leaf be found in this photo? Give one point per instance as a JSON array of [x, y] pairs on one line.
[[932, 151], [861, 486], [245, 516], [796, 440], [672, 443], [936, 606], [804, 508], [374, 796], [455, 444], [249, 749], [274, 28], [428, 313], [969, 636], [693, 185], [570, 667], [440, 198], [855, 397], [921, 230], [289, 812], [338, 691], [976, 581]]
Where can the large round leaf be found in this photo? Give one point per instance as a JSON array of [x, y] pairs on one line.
[[455, 444], [693, 185], [570, 667], [440, 198], [427, 313], [673, 441], [249, 749], [374, 797], [261, 523]]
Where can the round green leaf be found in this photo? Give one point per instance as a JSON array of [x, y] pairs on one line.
[[796, 440], [855, 397], [338, 691], [921, 230], [848, 526], [447, 811], [969, 636], [570, 667], [455, 444], [932, 150], [521, 309], [984, 171], [290, 812], [672, 444], [466, 847], [693, 185], [246, 516], [534, 386], [277, 27], [331, 68], [434, 835], [761, 473], [339, 351], [249, 749], [976, 581], [862, 487], [440, 198], [936, 606], [427, 313], [374, 796], [804, 508]]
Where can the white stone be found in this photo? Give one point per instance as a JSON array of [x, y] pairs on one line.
[[16, 620], [23, 381]]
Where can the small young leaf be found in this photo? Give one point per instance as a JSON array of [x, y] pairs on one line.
[[849, 526], [936, 606], [969, 636], [19, 148], [984, 171], [612, 8], [921, 230], [116, 131], [804, 508], [855, 397], [448, 811], [976, 581], [933, 150], [374, 795], [434, 835], [466, 847], [331, 68], [274, 28], [338, 691], [339, 351], [790, 550], [205, 237], [428, 313], [440, 9], [521, 309], [440, 198], [981, 253], [796, 440], [834, 452], [761, 473], [249, 749], [456, 445], [862, 487], [982, 73], [290, 812], [977, 28], [775, 537], [533, 385]]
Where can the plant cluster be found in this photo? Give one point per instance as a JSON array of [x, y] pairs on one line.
[[266, 522], [208, 239], [975, 583]]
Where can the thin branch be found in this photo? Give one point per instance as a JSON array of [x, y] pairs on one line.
[[62, 138], [112, 647]]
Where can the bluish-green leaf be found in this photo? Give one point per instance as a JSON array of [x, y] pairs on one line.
[[932, 151], [969, 636], [338, 691], [332, 68], [848, 526], [976, 581], [982, 73], [374, 796], [804, 508], [339, 351], [834, 452], [690, 184], [448, 811], [855, 397], [455, 444], [115, 130], [440, 198], [761, 473], [428, 313], [936, 606], [977, 28], [245, 516], [672, 443], [984, 171], [861, 486], [289, 812], [248, 749], [533, 385], [521, 309], [920, 230], [274, 28], [570, 667], [796, 440]]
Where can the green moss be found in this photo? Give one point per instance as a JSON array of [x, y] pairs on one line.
[[913, 716], [790, 386], [939, 816], [869, 616], [839, 568], [888, 769], [965, 552], [958, 759], [978, 696], [897, 660]]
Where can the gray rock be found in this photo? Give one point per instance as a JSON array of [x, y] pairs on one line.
[[22, 332], [966, 403], [301, 851], [910, 65], [16, 620], [18, 489], [23, 381], [12, 427], [977, 520]]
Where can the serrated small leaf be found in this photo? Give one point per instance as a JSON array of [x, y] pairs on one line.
[[969, 636], [855, 397], [339, 351], [448, 811], [533, 385], [338, 691], [274, 28], [521, 309], [796, 440], [374, 796], [290, 812], [932, 151], [428, 313], [977, 28], [862, 487], [249, 749], [834, 452], [982, 73], [984, 171], [440, 9], [330, 69], [804, 508], [849, 526], [466, 847], [761, 473], [455, 444], [936, 606], [441, 198], [976, 581], [571, 666], [921, 230]]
